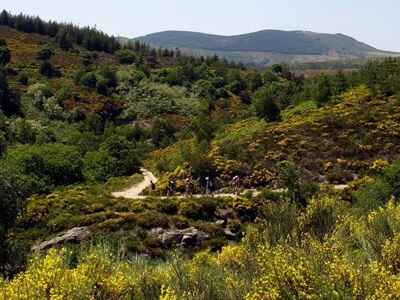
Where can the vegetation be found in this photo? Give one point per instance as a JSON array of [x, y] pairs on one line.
[[327, 250], [267, 47], [80, 114]]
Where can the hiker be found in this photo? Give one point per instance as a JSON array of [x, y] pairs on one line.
[[235, 184], [170, 188], [209, 185], [152, 186], [188, 186]]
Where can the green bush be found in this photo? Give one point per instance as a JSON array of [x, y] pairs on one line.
[[375, 194], [5, 55], [89, 80], [270, 195], [45, 53], [320, 216], [13, 190], [48, 70], [115, 157], [126, 56], [47, 166]]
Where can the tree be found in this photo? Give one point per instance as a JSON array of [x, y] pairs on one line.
[[5, 54], [126, 56], [162, 133], [9, 102], [88, 58], [291, 180], [48, 70], [23, 131], [12, 195], [89, 80], [203, 128], [46, 166], [322, 91], [45, 53], [64, 40], [115, 157], [4, 18], [265, 104], [3, 143]]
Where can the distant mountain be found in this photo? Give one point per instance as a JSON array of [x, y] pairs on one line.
[[267, 46]]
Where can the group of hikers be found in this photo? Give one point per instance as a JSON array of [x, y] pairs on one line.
[[207, 183]]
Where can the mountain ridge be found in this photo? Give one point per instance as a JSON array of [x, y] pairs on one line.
[[267, 46]]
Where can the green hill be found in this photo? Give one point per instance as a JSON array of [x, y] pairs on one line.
[[267, 46]]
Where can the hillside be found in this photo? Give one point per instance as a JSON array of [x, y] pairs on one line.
[[335, 144], [267, 46], [270, 184]]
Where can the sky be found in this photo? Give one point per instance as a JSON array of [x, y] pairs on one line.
[[374, 22]]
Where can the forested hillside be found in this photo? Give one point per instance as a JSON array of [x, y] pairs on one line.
[[272, 185]]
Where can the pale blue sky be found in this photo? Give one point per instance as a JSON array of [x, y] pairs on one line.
[[372, 21]]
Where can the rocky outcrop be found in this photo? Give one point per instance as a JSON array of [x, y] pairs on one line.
[[186, 238], [74, 235], [226, 214]]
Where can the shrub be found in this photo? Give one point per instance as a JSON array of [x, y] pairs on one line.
[[89, 80], [115, 157], [13, 190], [5, 55], [191, 210], [270, 195], [279, 222], [48, 70], [88, 58], [320, 216], [47, 165], [265, 103], [23, 79], [45, 53], [126, 56], [99, 166], [151, 219]]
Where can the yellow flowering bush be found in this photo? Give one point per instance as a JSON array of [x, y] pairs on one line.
[[284, 274], [356, 257], [320, 216], [391, 254]]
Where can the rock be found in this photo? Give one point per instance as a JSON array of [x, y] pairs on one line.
[[171, 237], [220, 222], [74, 235], [189, 241], [189, 237], [340, 187], [229, 233], [225, 214], [258, 220], [193, 238], [157, 230]]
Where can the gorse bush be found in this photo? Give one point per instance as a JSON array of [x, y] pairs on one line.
[[346, 259], [380, 191]]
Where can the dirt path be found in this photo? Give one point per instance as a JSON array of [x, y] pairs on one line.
[[135, 191]]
